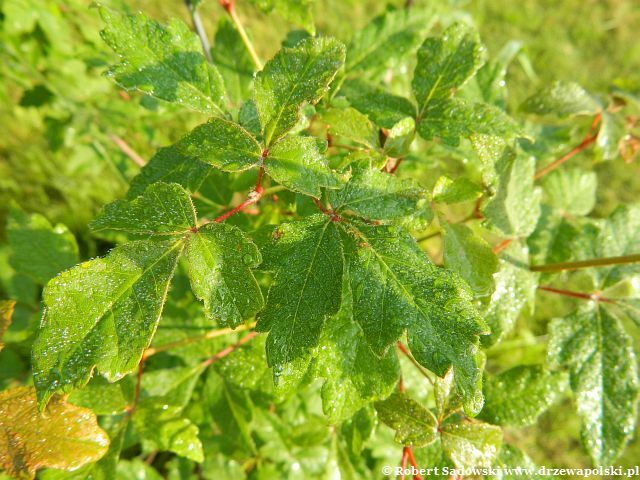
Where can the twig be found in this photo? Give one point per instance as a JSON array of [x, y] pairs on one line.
[[254, 196], [199, 28], [588, 140], [228, 5], [188, 341], [127, 150], [502, 245], [568, 293], [594, 262], [136, 395], [229, 349], [404, 350]]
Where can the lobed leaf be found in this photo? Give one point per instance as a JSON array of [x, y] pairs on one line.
[[562, 99], [39, 249], [354, 376], [163, 209], [165, 62], [414, 424], [64, 437], [299, 164], [599, 355], [379, 196], [470, 256], [223, 144], [162, 427], [388, 37], [383, 108], [307, 259], [515, 208], [102, 314], [221, 260], [294, 76], [434, 305], [470, 445], [519, 395]]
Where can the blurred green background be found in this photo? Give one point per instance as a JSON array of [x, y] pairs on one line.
[[58, 115]]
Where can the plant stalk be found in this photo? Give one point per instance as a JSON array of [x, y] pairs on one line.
[[595, 262]]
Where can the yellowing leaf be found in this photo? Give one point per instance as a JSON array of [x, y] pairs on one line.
[[63, 436], [6, 311]]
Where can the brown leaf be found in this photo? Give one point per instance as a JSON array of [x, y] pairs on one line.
[[64, 436]]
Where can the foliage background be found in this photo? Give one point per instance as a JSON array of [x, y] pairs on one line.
[[57, 113]]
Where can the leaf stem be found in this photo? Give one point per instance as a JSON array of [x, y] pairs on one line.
[[594, 262], [228, 5], [254, 196], [136, 395], [188, 341], [199, 28], [404, 350], [229, 349], [588, 140], [127, 150], [568, 293]]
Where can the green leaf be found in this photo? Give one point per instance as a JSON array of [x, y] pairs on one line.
[[445, 63], [223, 144], [221, 260], [593, 345], [299, 164], [379, 196], [162, 427], [299, 12], [616, 236], [350, 123], [521, 394], [168, 165], [551, 241], [39, 249], [562, 99], [383, 108], [101, 397], [233, 61], [433, 304], [294, 76], [354, 376], [512, 460], [491, 77], [516, 287], [165, 62], [102, 313], [136, 469], [450, 119], [610, 136], [307, 259], [458, 190], [470, 445], [413, 423], [163, 209], [470, 256], [389, 37], [572, 191], [515, 208], [6, 312], [66, 437], [400, 137]]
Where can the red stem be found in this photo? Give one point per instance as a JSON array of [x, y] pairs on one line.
[[395, 165], [588, 140], [403, 463], [253, 198], [502, 245], [136, 394], [412, 460], [568, 293], [229, 349]]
